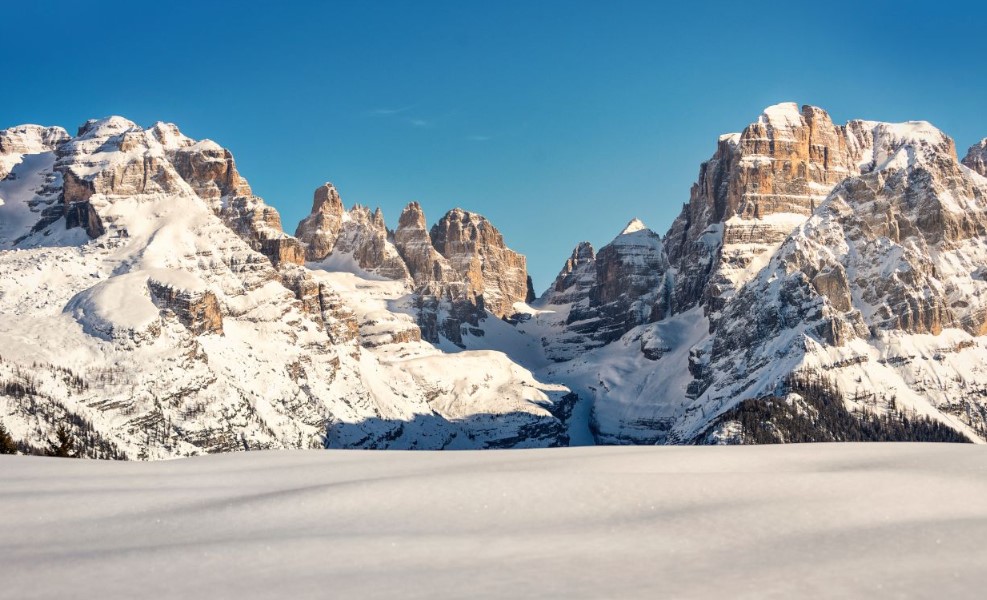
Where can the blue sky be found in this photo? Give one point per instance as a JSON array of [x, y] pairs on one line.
[[560, 121]]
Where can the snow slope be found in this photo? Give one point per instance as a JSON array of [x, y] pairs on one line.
[[806, 521]]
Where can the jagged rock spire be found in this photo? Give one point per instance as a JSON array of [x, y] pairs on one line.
[[318, 231]]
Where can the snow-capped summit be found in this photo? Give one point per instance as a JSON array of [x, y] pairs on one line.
[[633, 225], [105, 127], [783, 118]]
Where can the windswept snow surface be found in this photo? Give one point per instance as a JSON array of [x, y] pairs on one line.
[[806, 521]]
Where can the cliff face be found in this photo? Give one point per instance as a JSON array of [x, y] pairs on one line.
[[319, 230], [976, 157], [627, 280], [356, 234], [476, 252], [576, 277], [756, 188]]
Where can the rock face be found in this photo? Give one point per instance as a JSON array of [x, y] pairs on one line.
[[27, 139], [462, 271], [463, 258], [319, 230], [196, 309], [629, 277], [357, 234], [756, 188], [577, 276], [476, 252], [115, 158], [446, 304], [426, 265], [976, 157], [365, 238]]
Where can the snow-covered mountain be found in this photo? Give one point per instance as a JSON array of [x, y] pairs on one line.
[[150, 302], [154, 305], [856, 251]]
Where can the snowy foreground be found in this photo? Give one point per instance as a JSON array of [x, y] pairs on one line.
[[829, 520]]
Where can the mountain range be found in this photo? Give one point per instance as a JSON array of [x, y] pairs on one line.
[[823, 282]]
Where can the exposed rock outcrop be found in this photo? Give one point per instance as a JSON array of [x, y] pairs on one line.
[[208, 168], [357, 234], [976, 157], [113, 157], [319, 301], [365, 238], [758, 186], [476, 252], [426, 265], [198, 310], [629, 281], [576, 277], [438, 287], [319, 230]]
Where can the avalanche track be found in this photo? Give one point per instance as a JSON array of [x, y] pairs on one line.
[[827, 520]]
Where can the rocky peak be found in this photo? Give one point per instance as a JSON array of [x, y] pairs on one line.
[[616, 290], [364, 237], [976, 157], [326, 200], [438, 287], [208, 168], [900, 145], [414, 244], [105, 127], [578, 271], [633, 225], [574, 281], [412, 217], [477, 253], [629, 267], [113, 159], [758, 186], [358, 235], [881, 254], [318, 231]]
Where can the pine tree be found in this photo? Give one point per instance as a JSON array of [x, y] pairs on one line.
[[64, 444], [7, 445]]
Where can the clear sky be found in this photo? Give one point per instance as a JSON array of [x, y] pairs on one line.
[[559, 121]]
